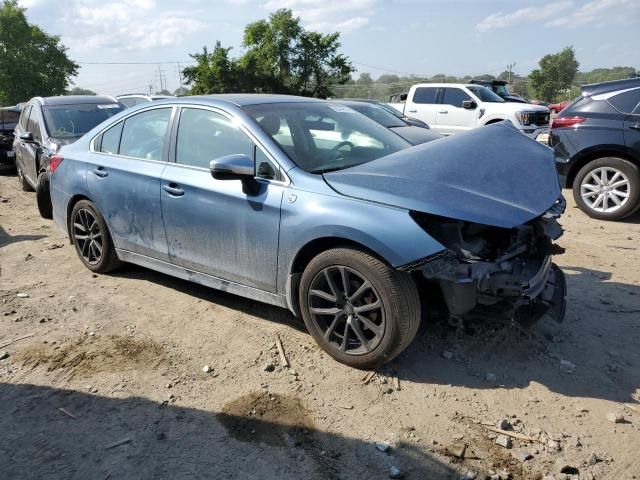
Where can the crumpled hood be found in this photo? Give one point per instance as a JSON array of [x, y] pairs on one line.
[[492, 175]]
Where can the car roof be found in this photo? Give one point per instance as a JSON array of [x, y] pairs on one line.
[[75, 99], [245, 99], [353, 102], [606, 87]]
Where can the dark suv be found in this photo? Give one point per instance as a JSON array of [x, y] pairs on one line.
[[8, 119], [596, 140], [46, 124]]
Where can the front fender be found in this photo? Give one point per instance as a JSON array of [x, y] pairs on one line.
[[388, 231]]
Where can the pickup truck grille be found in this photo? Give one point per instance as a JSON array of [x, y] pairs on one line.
[[541, 119]]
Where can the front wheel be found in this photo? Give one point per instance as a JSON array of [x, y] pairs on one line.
[[91, 238], [608, 188], [43, 196], [360, 311]]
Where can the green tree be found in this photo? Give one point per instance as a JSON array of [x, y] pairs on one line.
[[214, 72], [181, 92], [556, 74], [32, 62], [80, 91]]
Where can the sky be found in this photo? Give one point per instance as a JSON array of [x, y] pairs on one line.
[[422, 37]]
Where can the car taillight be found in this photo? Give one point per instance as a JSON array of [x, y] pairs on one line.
[[55, 162], [564, 122]]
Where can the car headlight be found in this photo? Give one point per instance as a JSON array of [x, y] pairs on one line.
[[525, 118]]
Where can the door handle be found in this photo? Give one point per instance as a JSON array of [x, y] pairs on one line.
[[443, 111], [636, 126], [412, 111], [173, 189], [100, 172]]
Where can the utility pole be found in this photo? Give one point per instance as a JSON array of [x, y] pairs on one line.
[[180, 77], [510, 69], [162, 78]]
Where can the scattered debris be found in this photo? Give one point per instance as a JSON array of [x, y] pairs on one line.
[[269, 367], [207, 369], [615, 417], [283, 357], [395, 472], [503, 441], [569, 470], [6, 344], [447, 355], [519, 436], [470, 475], [457, 450], [118, 443], [593, 459], [4, 355], [521, 455], [22, 295], [161, 436], [504, 424], [383, 447], [54, 246], [67, 412], [367, 378], [632, 407], [554, 445], [346, 407]]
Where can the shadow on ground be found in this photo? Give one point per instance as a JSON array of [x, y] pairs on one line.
[[136, 438], [6, 239]]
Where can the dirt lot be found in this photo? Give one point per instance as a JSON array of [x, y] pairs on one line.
[[110, 384]]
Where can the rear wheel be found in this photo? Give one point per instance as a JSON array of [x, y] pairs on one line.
[[24, 184], [608, 188], [360, 311], [91, 238], [43, 196]]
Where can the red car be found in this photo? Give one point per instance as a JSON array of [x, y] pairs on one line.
[[558, 107]]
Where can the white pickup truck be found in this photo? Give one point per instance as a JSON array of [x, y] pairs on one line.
[[451, 107]]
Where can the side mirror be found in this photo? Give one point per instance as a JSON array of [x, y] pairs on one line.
[[469, 104], [236, 167], [27, 137]]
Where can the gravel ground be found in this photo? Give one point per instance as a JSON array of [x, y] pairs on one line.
[[109, 384]]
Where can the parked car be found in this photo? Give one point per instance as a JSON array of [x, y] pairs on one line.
[[596, 141], [8, 119], [500, 88], [558, 107], [234, 192], [414, 135], [132, 99], [391, 110], [45, 125], [450, 108]]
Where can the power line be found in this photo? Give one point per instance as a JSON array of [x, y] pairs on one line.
[[137, 63]]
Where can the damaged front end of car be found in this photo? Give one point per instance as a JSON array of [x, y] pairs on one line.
[[487, 268]]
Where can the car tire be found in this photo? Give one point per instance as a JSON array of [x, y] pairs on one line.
[[378, 310], [43, 196], [623, 178], [24, 184], [91, 238]]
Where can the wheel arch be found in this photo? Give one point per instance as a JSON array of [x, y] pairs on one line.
[[590, 155], [495, 120], [72, 203]]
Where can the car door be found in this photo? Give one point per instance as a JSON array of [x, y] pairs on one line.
[[212, 226], [628, 103], [31, 150], [123, 176], [451, 116], [18, 145], [424, 105]]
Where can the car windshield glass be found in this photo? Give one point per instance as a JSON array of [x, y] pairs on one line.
[[484, 94], [321, 137], [378, 114], [64, 121], [502, 90]]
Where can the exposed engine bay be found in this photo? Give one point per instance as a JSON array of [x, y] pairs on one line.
[[486, 266]]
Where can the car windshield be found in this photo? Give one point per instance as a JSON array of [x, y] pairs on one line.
[[321, 137], [484, 94], [378, 114], [502, 90], [63, 121]]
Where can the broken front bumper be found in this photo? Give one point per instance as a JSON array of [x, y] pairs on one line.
[[528, 294]]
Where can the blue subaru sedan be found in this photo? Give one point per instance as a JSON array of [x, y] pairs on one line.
[[311, 206]]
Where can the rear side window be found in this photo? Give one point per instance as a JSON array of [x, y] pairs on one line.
[[143, 134], [425, 95], [111, 139], [626, 102], [455, 97], [589, 105]]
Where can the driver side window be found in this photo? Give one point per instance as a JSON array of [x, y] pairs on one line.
[[143, 134]]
